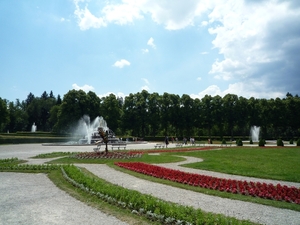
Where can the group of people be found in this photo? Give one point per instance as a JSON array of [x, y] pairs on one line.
[[192, 140]]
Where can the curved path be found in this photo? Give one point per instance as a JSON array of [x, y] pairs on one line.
[[29, 196], [234, 208], [189, 160]]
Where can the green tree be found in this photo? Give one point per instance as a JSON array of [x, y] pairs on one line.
[[111, 112], [18, 117], [154, 113], [75, 104], [206, 115], [165, 104], [187, 114], [230, 111], [217, 114], [4, 114], [176, 123]]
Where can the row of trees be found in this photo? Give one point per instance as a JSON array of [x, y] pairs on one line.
[[151, 114]]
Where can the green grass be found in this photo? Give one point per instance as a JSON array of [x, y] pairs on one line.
[[124, 215], [53, 155], [277, 204], [268, 163]]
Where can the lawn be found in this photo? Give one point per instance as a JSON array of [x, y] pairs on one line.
[[269, 163]]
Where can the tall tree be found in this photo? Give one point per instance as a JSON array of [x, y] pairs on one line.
[[4, 114], [217, 114], [230, 111], [187, 114], [130, 114], [111, 112], [154, 113], [75, 105], [206, 115], [18, 117], [29, 98]]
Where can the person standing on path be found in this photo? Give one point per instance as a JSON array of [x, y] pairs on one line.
[[166, 141]]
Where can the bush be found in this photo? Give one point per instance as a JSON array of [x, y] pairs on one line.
[[261, 143], [251, 142], [280, 142], [223, 142], [239, 142], [298, 142], [291, 141]]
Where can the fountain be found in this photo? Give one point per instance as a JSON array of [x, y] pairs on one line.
[[254, 133], [89, 130], [33, 128]]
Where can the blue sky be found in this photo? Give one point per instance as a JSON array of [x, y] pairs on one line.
[[249, 48]]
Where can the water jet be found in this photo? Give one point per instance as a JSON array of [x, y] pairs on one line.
[[254, 133]]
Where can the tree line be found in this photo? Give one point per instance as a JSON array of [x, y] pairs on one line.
[[151, 114]]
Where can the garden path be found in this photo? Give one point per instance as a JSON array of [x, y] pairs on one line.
[[239, 209], [25, 187], [188, 160]]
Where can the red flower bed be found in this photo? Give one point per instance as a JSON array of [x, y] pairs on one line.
[[256, 189]]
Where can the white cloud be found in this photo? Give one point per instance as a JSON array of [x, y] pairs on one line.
[[211, 90], [151, 42], [204, 23], [145, 80], [121, 63], [121, 13], [144, 51], [87, 20], [247, 90], [85, 88], [254, 38], [146, 88], [177, 15], [199, 78], [119, 94], [257, 39]]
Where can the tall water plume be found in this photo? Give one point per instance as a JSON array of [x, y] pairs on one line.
[[254, 133]]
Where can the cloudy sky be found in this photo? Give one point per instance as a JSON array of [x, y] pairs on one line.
[[250, 48]]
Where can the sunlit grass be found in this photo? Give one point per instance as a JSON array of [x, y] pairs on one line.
[[269, 163]]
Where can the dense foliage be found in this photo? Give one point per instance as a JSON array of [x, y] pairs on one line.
[[151, 114]]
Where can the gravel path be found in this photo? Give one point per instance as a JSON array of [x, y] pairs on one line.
[[188, 160], [34, 199], [238, 209]]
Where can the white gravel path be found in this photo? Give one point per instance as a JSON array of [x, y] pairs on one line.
[[238, 209], [32, 198], [188, 160]]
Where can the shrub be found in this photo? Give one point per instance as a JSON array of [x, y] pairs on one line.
[[261, 143], [239, 142], [251, 142], [298, 142], [291, 141], [223, 142], [280, 142]]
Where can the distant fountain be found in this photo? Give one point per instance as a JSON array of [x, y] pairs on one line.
[[33, 128], [254, 133], [89, 129]]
